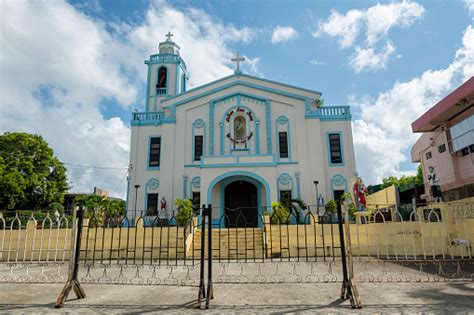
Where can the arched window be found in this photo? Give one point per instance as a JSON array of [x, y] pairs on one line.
[[239, 129], [161, 81]]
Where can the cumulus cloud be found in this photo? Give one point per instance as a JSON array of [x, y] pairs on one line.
[[205, 42], [60, 66], [366, 31], [283, 34], [382, 136], [470, 6]]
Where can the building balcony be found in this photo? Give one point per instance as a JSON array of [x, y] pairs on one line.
[[330, 113]]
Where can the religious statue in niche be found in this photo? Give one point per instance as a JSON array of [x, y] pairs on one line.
[[239, 135], [239, 128]]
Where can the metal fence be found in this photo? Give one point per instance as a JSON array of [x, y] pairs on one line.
[[244, 245]]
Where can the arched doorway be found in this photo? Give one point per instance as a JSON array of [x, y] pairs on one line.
[[241, 204]]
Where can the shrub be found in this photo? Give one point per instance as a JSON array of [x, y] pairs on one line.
[[280, 213], [185, 211]]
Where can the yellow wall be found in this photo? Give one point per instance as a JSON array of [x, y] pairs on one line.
[[386, 196]]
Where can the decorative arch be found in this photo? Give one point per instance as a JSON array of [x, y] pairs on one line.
[[162, 80], [195, 184], [254, 176], [338, 181], [227, 125], [285, 182]]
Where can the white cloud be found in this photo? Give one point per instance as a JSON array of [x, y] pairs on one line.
[[373, 49], [63, 66], [283, 34], [205, 42], [382, 136], [370, 59], [470, 6], [317, 62]]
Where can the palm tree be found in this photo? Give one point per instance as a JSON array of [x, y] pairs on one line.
[[294, 206]]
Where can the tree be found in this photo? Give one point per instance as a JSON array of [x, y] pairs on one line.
[[31, 177], [404, 180]]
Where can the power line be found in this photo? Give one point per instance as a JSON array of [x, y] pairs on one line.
[[97, 167]]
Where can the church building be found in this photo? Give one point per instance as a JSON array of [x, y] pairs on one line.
[[238, 142]]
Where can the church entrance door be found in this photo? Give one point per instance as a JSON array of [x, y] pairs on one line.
[[241, 204]]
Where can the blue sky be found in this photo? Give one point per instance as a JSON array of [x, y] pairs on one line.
[[77, 67]]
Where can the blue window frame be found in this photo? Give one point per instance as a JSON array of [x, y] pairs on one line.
[[154, 152], [335, 148]]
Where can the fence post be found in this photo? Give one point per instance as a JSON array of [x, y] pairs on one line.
[[210, 289], [202, 289], [347, 290], [73, 282]]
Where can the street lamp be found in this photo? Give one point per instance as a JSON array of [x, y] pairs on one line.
[[136, 196], [317, 195]]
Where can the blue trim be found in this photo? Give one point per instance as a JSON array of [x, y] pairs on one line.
[[183, 83], [147, 106], [198, 124], [166, 58], [257, 136], [222, 123], [167, 82], [176, 91], [153, 184], [282, 120], [232, 84], [298, 185], [263, 164], [269, 127], [251, 77], [195, 183], [285, 179], [245, 174], [239, 95], [337, 180], [240, 149], [185, 179], [225, 182], [341, 140], [148, 167], [211, 128]]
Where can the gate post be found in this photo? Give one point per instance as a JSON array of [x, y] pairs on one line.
[[210, 289], [73, 282], [348, 290], [202, 289]]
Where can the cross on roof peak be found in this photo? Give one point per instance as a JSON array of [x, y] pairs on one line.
[[237, 59], [169, 36]]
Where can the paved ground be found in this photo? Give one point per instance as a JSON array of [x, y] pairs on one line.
[[448, 298]]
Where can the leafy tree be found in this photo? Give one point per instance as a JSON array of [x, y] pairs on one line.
[[31, 177], [404, 180]]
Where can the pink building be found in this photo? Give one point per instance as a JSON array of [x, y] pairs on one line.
[[447, 143]]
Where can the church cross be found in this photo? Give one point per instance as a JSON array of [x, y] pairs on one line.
[[169, 36], [238, 59]]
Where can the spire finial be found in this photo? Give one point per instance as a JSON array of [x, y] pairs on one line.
[[168, 39], [238, 59]]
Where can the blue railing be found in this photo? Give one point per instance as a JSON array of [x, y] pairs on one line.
[[161, 91], [330, 113]]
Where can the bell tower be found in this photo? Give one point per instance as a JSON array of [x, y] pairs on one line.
[[166, 74]]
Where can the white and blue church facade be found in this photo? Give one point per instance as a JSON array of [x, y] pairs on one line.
[[238, 142]]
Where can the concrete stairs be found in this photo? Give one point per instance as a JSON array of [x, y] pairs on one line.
[[231, 243]]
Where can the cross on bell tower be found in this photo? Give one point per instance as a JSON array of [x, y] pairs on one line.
[[169, 36], [237, 59]]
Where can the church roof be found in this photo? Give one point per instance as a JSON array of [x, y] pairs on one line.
[[245, 80]]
